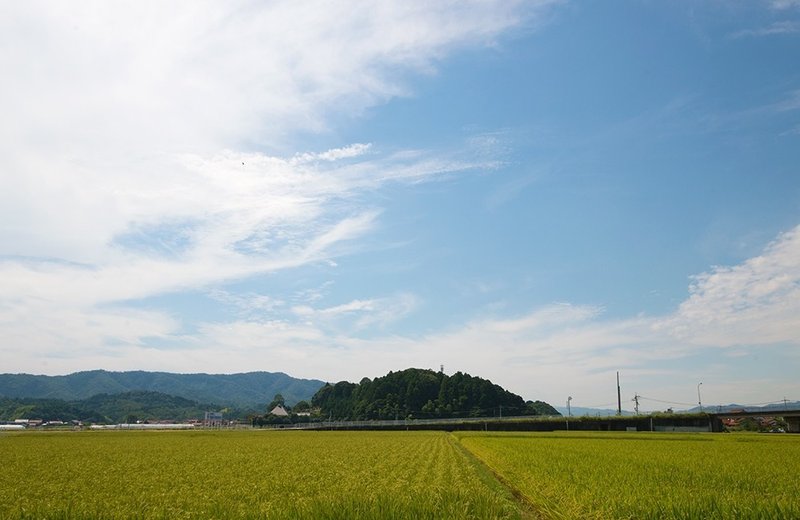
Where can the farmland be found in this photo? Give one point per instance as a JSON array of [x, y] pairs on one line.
[[324, 474], [251, 474], [642, 476]]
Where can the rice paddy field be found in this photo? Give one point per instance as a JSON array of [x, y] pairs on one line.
[[244, 474], [330, 474], [648, 476]]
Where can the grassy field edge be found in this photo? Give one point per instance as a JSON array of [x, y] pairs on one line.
[[495, 481]]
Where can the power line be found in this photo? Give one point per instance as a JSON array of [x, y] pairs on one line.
[[665, 402], [597, 405]]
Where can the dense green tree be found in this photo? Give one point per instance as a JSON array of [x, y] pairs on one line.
[[540, 408], [278, 400], [418, 393], [302, 406]]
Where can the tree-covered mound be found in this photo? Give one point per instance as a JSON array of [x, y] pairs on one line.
[[422, 394]]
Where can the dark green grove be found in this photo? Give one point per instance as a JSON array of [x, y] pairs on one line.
[[422, 394]]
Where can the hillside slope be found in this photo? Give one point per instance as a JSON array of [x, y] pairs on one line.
[[246, 390], [110, 408]]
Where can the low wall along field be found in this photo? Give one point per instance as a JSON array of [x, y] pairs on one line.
[[332, 474]]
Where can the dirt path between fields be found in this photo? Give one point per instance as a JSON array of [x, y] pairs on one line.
[[528, 510]]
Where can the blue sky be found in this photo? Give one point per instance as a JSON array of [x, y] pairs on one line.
[[537, 192]]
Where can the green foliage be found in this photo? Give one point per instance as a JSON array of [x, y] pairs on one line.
[[302, 406], [235, 474], [417, 393], [278, 400]]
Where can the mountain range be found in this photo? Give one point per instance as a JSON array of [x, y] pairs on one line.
[[245, 390], [708, 408]]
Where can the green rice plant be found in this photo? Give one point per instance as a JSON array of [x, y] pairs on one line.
[[253, 474], [647, 476]]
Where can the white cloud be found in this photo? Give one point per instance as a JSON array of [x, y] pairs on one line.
[[754, 303], [133, 138], [118, 116], [354, 150]]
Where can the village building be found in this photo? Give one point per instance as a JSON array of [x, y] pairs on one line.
[[279, 411]]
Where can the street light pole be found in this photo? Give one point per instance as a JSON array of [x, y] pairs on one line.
[[699, 401], [569, 412]]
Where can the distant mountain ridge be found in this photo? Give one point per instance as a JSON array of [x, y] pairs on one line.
[[769, 408], [245, 390], [774, 408], [110, 408]]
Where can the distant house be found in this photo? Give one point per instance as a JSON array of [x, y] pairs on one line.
[[279, 411], [212, 419]]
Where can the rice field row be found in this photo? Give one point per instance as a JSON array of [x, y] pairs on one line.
[[647, 476]]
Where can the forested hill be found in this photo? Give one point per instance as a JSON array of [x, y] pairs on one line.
[[422, 394], [104, 408], [248, 390]]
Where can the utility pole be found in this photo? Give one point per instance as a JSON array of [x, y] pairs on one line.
[[699, 401], [785, 404], [636, 400], [619, 397]]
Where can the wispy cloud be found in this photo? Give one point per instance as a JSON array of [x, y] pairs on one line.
[[782, 27], [354, 150], [248, 304], [791, 102], [784, 4], [357, 315]]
